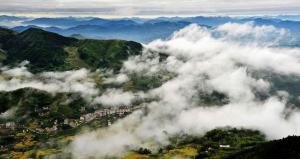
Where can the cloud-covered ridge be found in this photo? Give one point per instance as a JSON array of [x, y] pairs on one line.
[[82, 81]]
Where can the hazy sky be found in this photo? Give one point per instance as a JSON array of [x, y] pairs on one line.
[[148, 7]]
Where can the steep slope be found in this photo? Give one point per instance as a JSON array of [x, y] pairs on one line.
[[108, 54], [5, 34], [281, 149], [43, 49], [48, 51], [2, 55]]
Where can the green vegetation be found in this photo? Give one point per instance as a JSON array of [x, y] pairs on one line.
[[281, 149], [43, 49], [2, 55], [73, 60], [237, 144], [208, 146], [143, 82], [108, 53], [5, 34], [181, 152], [135, 155], [35, 103], [48, 51], [213, 98]]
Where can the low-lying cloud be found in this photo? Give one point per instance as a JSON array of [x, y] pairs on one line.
[[115, 97], [80, 81], [223, 60], [77, 81]]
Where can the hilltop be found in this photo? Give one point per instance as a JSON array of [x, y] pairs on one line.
[[48, 51]]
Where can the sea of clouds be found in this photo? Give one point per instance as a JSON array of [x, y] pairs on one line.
[[224, 59]]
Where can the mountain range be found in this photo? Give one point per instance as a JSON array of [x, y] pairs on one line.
[[137, 29]]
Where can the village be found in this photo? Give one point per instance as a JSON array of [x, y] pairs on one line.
[[116, 112]]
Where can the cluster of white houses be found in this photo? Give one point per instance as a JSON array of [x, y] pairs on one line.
[[8, 125], [120, 111], [117, 111]]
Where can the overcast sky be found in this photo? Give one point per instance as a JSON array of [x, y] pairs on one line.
[[121, 8]]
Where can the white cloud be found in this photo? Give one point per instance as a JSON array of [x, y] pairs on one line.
[[78, 81], [203, 62], [120, 78], [115, 97], [262, 35], [17, 71], [8, 114]]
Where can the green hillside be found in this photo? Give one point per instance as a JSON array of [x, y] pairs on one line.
[[287, 148], [2, 55], [48, 51], [5, 34], [43, 49], [241, 144], [208, 146], [30, 102], [106, 53]]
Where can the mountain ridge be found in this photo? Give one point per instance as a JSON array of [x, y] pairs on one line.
[[46, 51]]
